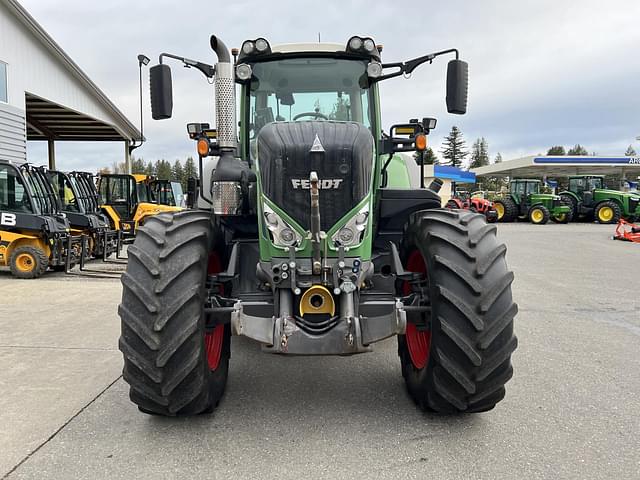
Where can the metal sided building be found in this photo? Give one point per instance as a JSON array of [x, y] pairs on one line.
[[45, 96]]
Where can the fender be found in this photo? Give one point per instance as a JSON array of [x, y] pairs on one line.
[[145, 209]]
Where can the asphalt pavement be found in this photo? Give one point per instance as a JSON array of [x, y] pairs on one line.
[[571, 409]]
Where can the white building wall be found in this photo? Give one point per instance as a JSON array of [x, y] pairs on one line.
[[33, 68], [13, 135]]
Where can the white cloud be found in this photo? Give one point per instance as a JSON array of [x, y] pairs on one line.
[[542, 72]]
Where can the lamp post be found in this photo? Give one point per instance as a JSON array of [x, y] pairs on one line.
[[143, 60]]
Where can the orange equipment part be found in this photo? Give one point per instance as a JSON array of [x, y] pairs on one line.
[[627, 231]]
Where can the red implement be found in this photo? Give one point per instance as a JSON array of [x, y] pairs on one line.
[[627, 231]]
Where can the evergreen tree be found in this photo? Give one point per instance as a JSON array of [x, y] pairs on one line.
[[430, 157], [630, 152], [340, 110], [178, 174], [189, 170], [163, 170], [453, 149], [137, 165], [150, 169], [479, 153], [557, 150], [498, 158], [577, 150]]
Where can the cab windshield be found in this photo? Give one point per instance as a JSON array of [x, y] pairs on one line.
[[299, 89], [595, 183], [64, 191], [525, 188], [13, 194]]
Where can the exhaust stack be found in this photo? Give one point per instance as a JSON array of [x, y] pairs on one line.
[[224, 88]]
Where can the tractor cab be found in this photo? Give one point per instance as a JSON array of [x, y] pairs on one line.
[[34, 233], [584, 187], [78, 205], [462, 194], [523, 189], [128, 200], [86, 191], [166, 192]]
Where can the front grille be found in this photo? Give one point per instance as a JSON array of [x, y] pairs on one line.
[[344, 167]]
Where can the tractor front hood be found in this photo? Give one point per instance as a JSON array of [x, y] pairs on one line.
[[342, 156]]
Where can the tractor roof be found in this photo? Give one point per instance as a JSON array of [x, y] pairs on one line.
[[308, 47], [260, 49]]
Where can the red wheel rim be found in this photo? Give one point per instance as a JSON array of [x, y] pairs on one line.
[[214, 339], [213, 346], [418, 341]]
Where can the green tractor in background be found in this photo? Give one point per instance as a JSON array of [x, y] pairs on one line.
[[308, 239], [589, 198], [525, 201]]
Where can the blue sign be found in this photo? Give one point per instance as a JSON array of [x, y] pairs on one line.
[[589, 160], [453, 173]]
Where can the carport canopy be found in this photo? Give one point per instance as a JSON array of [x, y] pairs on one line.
[[47, 120], [561, 166]]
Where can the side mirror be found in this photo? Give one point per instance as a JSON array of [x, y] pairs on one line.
[[286, 98], [161, 92], [457, 86], [192, 188]]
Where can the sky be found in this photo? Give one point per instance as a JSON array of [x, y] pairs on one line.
[[542, 73]]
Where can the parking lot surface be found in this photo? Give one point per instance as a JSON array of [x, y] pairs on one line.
[[571, 410]]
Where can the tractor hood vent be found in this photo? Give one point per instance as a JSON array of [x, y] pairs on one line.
[[340, 152]]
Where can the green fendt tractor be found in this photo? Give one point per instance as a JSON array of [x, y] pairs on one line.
[[309, 239], [589, 198], [525, 201]]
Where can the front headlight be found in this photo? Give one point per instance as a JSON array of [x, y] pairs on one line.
[[352, 232], [282, 234]]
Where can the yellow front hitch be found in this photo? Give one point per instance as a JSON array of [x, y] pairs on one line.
[[317, 299]]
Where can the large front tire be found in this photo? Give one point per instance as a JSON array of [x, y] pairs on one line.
[[28, 262], [539, 215], [608, 212], [457, 357], [173, 364]]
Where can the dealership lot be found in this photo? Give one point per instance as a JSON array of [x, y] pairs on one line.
[[571, 410]]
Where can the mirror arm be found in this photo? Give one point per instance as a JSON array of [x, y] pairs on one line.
[[384, 170], [406, 68], [207, 70]]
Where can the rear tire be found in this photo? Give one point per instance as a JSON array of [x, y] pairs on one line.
[[571, 202], [508, 208], [539, 215], [564, 217], [163, 323], [608, 212], [28, 262], [458, 358]]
